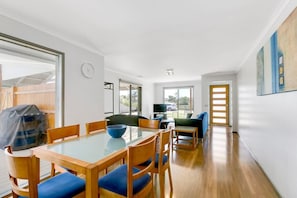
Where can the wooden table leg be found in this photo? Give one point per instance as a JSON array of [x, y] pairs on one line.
[[92, 182]]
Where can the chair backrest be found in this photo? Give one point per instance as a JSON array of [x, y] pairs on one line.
[[23, 167], [95, 126], [139, 154], [62, 133], [152, 124], [164, 149]]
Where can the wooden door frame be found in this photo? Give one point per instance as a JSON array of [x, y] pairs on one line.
[[227, 104]]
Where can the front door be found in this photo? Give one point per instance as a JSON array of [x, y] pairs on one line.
[[219, 105]]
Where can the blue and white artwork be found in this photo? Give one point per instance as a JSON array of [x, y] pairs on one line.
[[276, 60]]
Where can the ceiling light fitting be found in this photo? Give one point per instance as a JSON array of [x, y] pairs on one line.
[[169, 72]]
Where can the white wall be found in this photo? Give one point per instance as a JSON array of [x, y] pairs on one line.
[[147, 91], [267, 124], [83, 97], [230, 79], [159, 91]]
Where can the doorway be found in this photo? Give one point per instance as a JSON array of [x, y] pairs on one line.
[[219, 105]]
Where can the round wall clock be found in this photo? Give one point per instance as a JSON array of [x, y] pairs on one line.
[[88, 70]]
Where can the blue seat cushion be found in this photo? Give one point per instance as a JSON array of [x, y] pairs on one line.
[[116, 181], [146, 163], [63, 185]]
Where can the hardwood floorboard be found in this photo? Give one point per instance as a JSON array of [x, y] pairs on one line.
[[220, 167]]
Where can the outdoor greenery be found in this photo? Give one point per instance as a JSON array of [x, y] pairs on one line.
[[180, 101], [125, 101], [178, 114]]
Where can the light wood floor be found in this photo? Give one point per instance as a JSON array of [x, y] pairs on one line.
[[220, 167]]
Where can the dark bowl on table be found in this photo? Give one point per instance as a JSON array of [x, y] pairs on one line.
[[116, 130]]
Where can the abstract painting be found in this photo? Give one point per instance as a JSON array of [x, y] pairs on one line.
[[277, 60]]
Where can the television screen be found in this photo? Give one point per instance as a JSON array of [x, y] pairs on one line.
[[159, 107]]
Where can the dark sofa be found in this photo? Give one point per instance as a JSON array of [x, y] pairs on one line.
[[201, 122], [131, 120]]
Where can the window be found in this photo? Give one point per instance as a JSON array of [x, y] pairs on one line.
[[31, 74], [179, 101], [130, 98], [108, 99]]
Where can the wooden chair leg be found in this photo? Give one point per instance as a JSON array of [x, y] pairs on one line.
[[194, 140], [162, 184], [170, 179], [153, 189]]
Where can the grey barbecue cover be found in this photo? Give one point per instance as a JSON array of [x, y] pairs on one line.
[[22, 127]]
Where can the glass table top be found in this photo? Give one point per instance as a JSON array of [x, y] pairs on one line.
[[91, 148]]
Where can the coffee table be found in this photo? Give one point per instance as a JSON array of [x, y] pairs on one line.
[[185, 141]]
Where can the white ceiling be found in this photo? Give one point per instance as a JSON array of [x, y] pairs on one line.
[[143, 38]]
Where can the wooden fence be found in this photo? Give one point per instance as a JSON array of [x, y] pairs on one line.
[[43, 96]]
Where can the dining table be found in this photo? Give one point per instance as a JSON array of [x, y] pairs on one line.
[[91, 154]]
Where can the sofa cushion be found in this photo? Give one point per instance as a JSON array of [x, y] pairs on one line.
[[201, 115], [189, 115]]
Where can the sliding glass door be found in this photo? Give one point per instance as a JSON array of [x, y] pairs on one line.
[[130, 98], [31, 74]]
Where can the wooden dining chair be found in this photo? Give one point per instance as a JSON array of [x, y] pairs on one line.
[[28, 168], [61, 134], [128, 181], [97, 126], [145, 123], [162, 155]]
